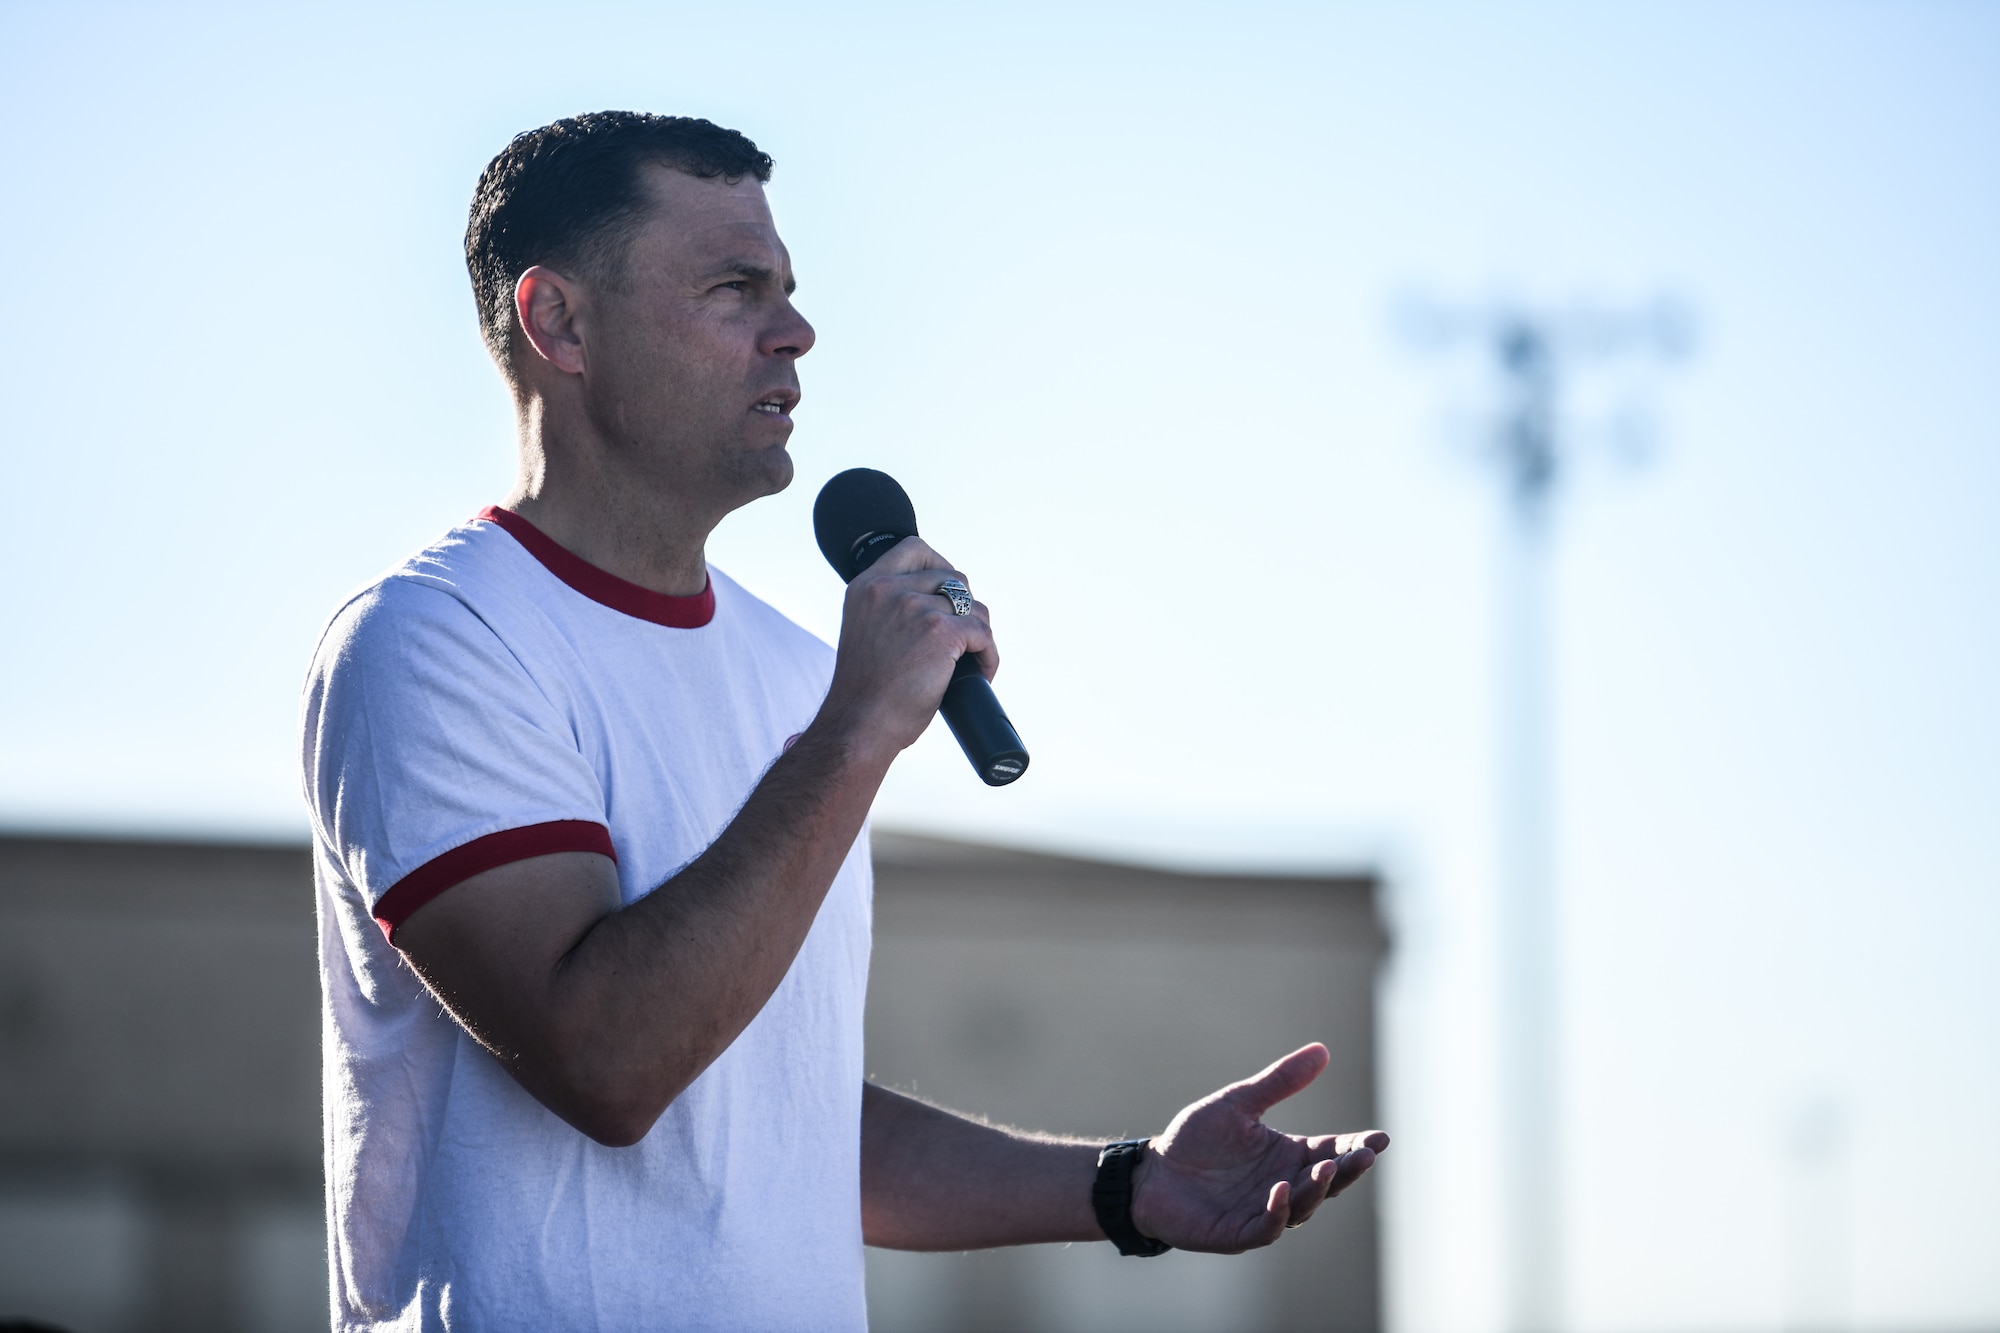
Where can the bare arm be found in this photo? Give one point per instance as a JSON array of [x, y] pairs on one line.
[[931, 1180], [605, 1013], [1216, 1179]]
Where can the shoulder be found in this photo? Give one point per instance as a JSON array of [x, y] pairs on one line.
[[436, 594]]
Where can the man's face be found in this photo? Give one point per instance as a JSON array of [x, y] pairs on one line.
[[692, 368]]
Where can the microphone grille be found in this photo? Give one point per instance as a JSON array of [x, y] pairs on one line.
[[853, 505]]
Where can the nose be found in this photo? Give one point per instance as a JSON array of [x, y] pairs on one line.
[[789, 335]]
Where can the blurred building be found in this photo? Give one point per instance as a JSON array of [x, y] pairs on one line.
[[1086, 998], [159, 1087], [159, 1075]]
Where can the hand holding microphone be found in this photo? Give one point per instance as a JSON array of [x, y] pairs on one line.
[[913, 604]]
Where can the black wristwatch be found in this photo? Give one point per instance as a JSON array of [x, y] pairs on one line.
[[1111, 1196]]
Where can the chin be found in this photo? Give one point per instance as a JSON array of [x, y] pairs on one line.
[[766, 472]]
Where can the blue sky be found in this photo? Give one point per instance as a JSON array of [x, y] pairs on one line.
[[1110, 289]]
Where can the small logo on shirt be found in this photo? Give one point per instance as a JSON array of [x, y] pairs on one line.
[[790, 741]]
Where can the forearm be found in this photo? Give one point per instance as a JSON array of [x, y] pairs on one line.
[[652, 993], [931, 1180]]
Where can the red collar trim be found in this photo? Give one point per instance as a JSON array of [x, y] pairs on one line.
[[601, 586]]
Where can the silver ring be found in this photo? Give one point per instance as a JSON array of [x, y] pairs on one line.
[[960, 595]]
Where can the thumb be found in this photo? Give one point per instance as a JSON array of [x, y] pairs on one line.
[[1282, 1079]]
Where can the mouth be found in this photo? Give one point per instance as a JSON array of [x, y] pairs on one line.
[[777, 403]]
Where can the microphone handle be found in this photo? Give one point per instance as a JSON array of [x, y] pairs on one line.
[[970, 707], [973, 713]]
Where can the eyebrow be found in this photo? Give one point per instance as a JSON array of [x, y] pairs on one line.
[[755, 270]]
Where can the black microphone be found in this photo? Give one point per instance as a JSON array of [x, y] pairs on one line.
[[859, 515]]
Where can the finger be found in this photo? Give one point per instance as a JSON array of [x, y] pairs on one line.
[[1351, 1167], [915, 592], [924, 591], [975, 628], [975, 639], [989, 652], [1325, 1147], [1307, 1198], [911, 553], [1327, 1179], [913, 600], [924, 581], [1254, 1096], [1271, 1225]]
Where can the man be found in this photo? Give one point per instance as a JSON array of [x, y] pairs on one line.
[[591, 846]]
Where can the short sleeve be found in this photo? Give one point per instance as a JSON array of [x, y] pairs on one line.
[[431, 754]]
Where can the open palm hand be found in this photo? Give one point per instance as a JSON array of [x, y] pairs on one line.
[[1219, 1180]]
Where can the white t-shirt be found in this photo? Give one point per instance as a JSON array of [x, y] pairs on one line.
[[496, 698]]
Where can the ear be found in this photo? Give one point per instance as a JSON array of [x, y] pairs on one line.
[[549, 306]]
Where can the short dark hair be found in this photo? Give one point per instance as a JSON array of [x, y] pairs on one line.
[[570, 193]]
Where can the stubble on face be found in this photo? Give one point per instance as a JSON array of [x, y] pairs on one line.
[[695, 341]]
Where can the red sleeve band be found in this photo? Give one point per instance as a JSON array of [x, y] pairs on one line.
[[459, 864]]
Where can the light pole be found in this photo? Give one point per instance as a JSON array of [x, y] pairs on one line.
[[1532, 352]]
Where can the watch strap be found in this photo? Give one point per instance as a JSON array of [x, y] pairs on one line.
[[1111, 1197]]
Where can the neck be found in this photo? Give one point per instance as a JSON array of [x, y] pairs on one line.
[[593, 502]]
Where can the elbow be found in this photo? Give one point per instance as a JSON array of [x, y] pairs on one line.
[[616, 1107], [609, 1090], [614, 1121], [614, 1131]]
